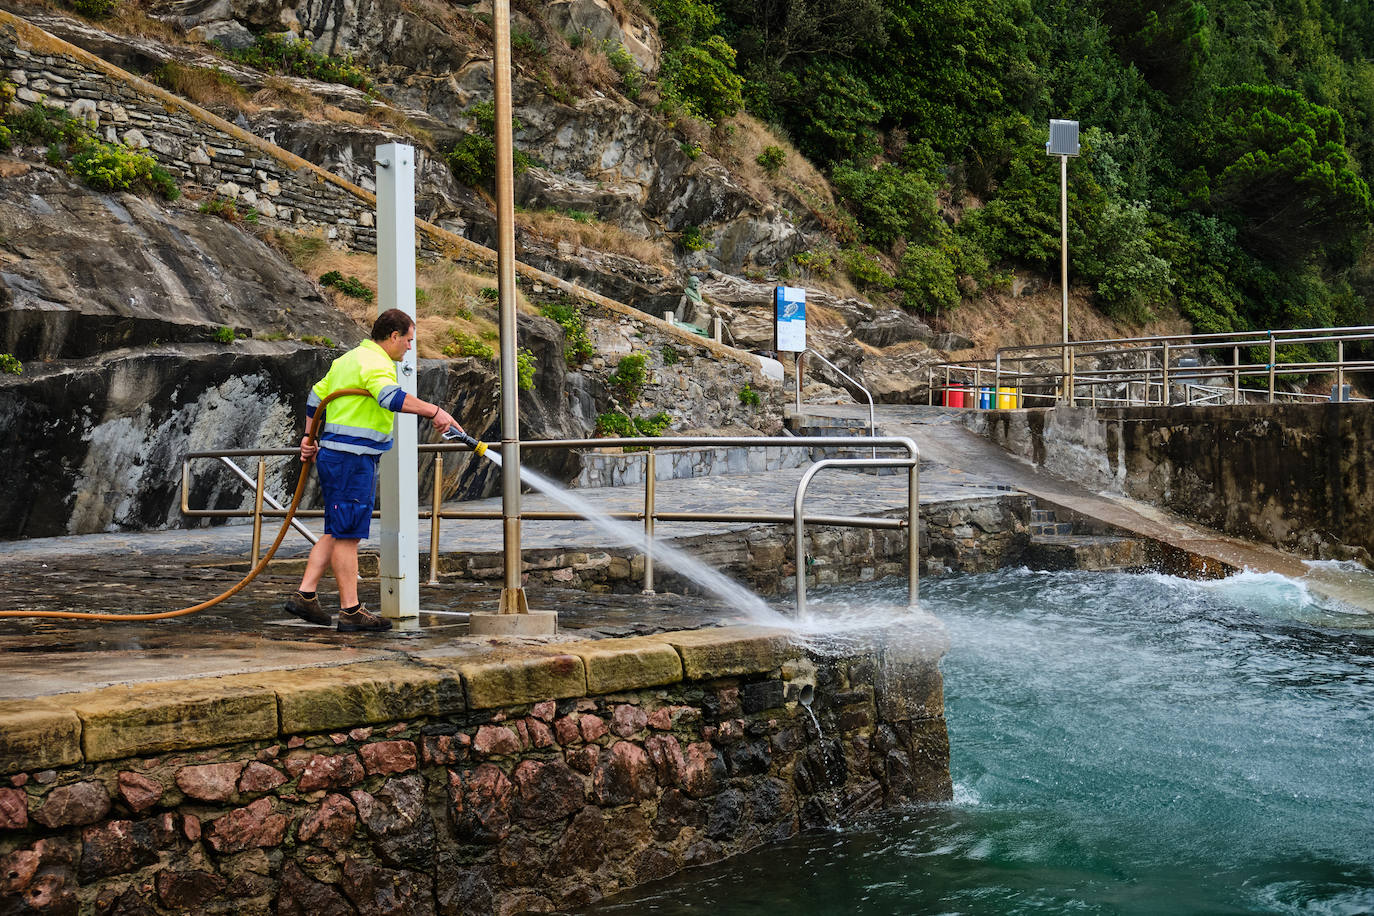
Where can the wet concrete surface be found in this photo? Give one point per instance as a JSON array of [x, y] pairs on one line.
[[249, 632]]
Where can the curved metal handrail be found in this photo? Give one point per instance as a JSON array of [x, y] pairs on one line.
[[872, 414], [913, 539]]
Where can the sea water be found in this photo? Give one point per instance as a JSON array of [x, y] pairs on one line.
[[1121, 744]]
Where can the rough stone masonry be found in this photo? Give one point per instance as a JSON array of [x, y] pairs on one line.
[[493, 780]]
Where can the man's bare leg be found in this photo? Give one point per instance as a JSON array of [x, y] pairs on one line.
[[320, 556], [345, 561]]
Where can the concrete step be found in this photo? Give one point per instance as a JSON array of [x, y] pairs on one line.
[[1049, 527], [1086, 552]]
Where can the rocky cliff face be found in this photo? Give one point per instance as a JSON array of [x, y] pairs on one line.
[[84, 273]]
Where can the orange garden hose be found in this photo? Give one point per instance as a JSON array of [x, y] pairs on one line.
[[314, 433]]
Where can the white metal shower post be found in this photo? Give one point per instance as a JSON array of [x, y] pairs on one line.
[[400, 499]]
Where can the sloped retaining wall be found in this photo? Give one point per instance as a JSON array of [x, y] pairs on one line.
[[1297, 476], [481, 782]]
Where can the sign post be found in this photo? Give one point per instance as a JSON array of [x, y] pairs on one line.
[[789, 326]]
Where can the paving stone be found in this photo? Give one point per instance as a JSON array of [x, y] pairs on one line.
[[153, 717], [37, 734]]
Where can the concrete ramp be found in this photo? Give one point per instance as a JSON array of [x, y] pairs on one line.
[[1181, 547]]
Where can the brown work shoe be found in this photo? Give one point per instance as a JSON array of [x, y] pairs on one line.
[[308, 609], [362, 621]]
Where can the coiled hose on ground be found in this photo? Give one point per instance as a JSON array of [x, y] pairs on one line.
[[314, 433]]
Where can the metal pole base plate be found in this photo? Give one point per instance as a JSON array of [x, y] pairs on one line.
[[533, 623]]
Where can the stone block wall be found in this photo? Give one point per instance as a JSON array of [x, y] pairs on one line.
[[617, 469], [476, 784], [976, 535], [195, 146]]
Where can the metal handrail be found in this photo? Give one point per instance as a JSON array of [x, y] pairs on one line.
[[872, 414], [1008, 361], [912, 541], [650, 515]]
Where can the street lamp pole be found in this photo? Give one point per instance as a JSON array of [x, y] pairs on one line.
[[514, 617], [1063, 143]]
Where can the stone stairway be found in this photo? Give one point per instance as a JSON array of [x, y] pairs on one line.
[[1079, 544]]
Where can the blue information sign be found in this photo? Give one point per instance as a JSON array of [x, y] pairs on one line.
[[790, 310]]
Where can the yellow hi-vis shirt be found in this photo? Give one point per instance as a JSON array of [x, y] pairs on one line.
[[354, 423]]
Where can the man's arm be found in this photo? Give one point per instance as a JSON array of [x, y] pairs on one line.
[[441, 418]]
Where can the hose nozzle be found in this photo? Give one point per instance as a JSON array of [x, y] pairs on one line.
[[480, 448]]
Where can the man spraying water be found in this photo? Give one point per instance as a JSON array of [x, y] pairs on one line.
[[356, 431]]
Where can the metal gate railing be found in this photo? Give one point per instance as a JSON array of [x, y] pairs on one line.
[[1161, 368], [650, 516]]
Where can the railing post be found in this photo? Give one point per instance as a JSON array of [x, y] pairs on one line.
[[650, 478], [436, 507], [913, 535], [1272, 356], [1072, 371], [1235, 375], [1340, 370], [258, 490], [1164, 367], [997, 378]]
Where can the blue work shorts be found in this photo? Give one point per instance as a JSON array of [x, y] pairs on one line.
[[349, 483]]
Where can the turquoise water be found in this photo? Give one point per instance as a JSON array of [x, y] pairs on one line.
[[1121, 744]]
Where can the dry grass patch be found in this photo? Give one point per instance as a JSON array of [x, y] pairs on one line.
[[592, 233], [741, 147], [206, 86]]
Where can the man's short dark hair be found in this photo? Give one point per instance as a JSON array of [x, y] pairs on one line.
[[392, 320]]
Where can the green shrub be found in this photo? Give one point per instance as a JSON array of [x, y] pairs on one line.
[[577, 345], [690, 150], [693, 240], [40, 123], [652, 425], [684, 21], [670, 355], [490, 293], [349, 286], [94, 9], [6, 138], [524, 369], [891, 203], [580, 216], [115, 167], [927, 280], [702, 80], [318, 340], [467, 345], [280, 53], [816, 263], [772, 159], [630, 376], [748, 396], [522, 42], [864, 268], [623, 63], [224, 335], [473, 158], [614, 423], [10, 365]]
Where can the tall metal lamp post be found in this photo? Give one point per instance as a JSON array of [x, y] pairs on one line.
[[1063, 143], [515, 617]]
